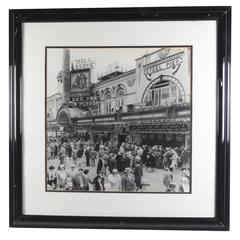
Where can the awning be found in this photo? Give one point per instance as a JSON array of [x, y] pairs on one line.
[[66, 114], [161, 121]]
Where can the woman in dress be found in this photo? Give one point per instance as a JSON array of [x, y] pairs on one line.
[[185, 181], [115, 181], [80, 152]]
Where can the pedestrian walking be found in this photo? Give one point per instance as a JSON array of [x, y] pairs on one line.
[[127, 181], [87, 155], [52, 177], [138, 173], [93, 156], [185, 180], [167, 179], [61, 177], [80, 152], [115, 181], [99, 183], [80, 182]]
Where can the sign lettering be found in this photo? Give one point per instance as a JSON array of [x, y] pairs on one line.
[[174, 64], [83, 63]]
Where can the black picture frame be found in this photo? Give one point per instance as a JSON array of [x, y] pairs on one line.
[[222, 16]]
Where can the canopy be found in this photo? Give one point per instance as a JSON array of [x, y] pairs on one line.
[[66, 115]]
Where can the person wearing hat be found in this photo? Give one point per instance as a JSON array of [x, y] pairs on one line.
[[115, 181], [51, 177], [52, 149], [174, 160], [171, 187], [127, 181], [139, 151], [185, 181], [167, 179], [150, 161], [80, 152], [144, 155], [61, 177], [159, 156], [185, 158], [86, 172], [93, 156], [56, 147], [74, 153], [87, 155], [138, 173], [72, 172], [98, 183], [112, 163], [120, 162], [123, 161], [69, 185], [48, 152], [80, 182], [101, 163]]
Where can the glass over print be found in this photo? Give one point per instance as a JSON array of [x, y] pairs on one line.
[[118, 119]]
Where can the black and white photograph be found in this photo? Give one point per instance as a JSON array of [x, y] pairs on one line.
[[118, 119]]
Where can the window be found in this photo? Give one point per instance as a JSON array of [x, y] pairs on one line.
[[108, 95], [108, 108], [173, 91], [156, 99], [164, 92], [120, 92], [160, 94], [180, 98], [122, 102]]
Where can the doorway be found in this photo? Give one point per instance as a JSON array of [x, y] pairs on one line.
[[121, 139]]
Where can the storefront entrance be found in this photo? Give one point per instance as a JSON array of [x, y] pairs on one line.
[[166, 140], [121, 139]]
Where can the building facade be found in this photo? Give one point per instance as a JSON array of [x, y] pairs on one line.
[[150, 104], [54, 103]]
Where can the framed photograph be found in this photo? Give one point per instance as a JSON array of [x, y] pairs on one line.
[[119, 118]]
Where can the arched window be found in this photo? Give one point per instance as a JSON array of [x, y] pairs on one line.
[[107, 101], [107, 94], [164, 91], [63, 118], [97, 96], [120, 92], [98, 103]]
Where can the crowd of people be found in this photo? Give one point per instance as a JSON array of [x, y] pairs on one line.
[[117, 168]]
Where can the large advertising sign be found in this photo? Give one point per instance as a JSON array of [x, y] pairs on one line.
[[173, 62], [80, 79], [83, 63]]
